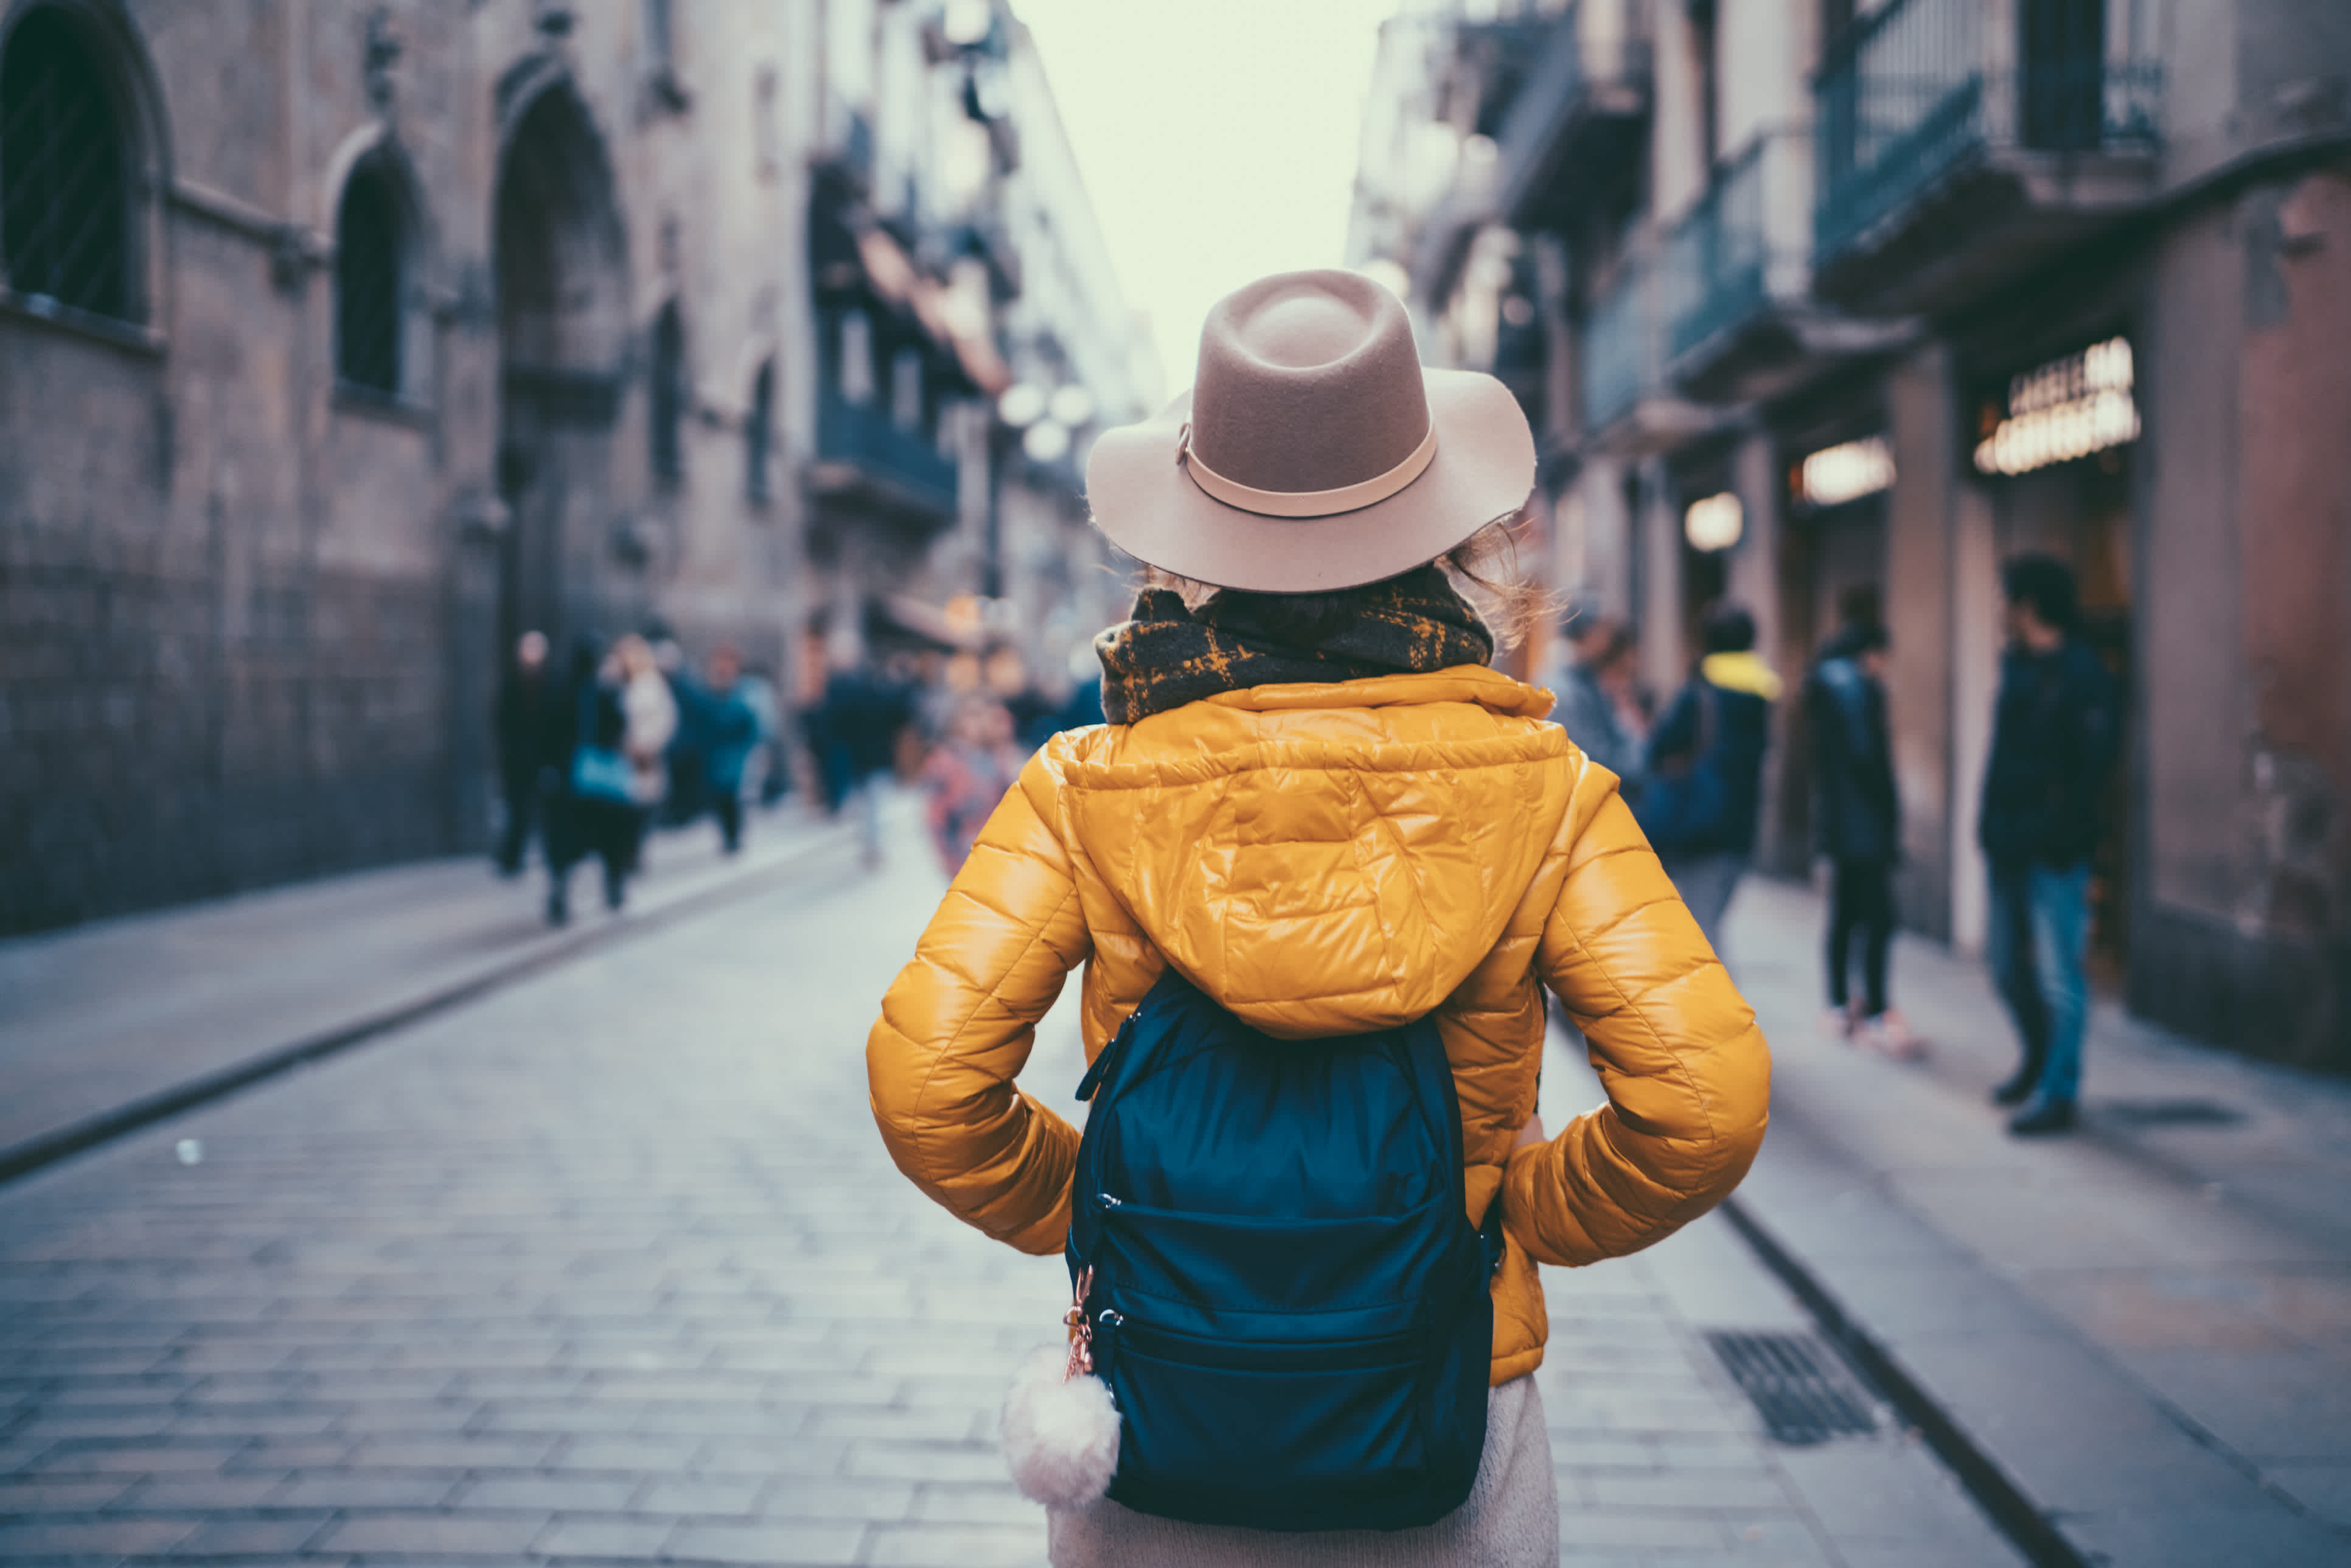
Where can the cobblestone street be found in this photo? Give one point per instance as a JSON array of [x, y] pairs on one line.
[[609, 1265]]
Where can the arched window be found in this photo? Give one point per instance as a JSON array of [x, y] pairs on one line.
[[665, 405], [369, 239], [65, 212], [759, 435]]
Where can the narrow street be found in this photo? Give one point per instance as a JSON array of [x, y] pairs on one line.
[[609, 1265]]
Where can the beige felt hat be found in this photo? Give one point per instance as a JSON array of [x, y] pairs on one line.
[[1313, 451]]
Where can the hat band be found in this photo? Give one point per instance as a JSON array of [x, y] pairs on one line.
[[1305, 503]]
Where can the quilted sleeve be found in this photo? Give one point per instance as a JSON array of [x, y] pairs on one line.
[[1686, 1071], [957, 1024]]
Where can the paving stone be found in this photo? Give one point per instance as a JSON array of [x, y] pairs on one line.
[[412, 1534], [561, 1494], [260, 1535], [807, 1541], [47, 1536], [601, 1536], [362, 1488]]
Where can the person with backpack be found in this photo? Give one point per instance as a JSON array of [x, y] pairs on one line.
[[1857, 821], [1317, 869], [1702, 786]]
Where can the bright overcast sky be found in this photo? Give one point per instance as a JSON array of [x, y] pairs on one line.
[[1217, 139]]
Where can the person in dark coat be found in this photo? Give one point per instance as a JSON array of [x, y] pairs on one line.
[[532, 736], [863, 714], [1703, 790], [732, 732], [1857, 823], [1592, 705], [2056, 735]]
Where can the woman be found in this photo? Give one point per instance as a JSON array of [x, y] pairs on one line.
[[626, 718], [1315, 802]]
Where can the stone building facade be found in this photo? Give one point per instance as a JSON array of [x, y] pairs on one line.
[[340, 343], [1897, 288]]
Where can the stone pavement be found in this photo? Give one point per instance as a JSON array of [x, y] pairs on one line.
[[608, 1265], [102, 1017], [2146, 1326]]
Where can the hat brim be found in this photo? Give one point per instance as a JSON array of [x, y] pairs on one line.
[[1145, 504]]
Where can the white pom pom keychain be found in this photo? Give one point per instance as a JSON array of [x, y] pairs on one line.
[[1061, 1425]]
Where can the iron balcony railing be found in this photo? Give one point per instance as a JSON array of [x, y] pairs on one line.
[[1921, 86], [863, 436], [1744, 244], [1562, 89], [1621, 346]]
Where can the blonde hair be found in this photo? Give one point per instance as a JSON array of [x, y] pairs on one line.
[[1483, 569]]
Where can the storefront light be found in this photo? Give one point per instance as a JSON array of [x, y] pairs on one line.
[[1713, 522], [2067, 409], [1846, 472]]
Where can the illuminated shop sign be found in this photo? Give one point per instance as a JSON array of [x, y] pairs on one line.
[[2065, 409], [1846, 472], [1713, 522]]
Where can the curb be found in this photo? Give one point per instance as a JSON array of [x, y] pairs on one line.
[[2002, 1501], [33, 1155]]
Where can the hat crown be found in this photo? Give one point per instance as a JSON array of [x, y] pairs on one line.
[[1308, 381]]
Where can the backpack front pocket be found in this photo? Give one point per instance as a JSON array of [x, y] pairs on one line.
[[1310, 1433]]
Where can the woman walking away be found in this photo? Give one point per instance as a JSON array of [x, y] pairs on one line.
[[1858, 823], [1317, 867], [625, 717]]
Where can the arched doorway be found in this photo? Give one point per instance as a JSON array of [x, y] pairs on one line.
[[563, 332]]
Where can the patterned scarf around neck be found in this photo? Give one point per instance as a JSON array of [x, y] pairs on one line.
[[1168, 655]]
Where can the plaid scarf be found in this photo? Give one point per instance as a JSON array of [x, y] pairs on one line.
[[1168, 655]]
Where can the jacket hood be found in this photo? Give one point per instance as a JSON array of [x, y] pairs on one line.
[[1741, 673], [1324, 859]]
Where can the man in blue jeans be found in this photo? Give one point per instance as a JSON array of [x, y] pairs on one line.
[[2055, 735]]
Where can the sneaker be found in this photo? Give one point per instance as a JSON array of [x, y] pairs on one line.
[[2046, 1114], [558, 908], [1837, 1023], [1888, 1034]]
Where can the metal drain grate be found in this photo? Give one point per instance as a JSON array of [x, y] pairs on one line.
[[1796, 1384]]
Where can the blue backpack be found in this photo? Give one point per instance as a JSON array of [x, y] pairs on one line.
[[1287, 1298]]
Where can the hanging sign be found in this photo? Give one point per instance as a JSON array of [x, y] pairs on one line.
[[2068, 408]]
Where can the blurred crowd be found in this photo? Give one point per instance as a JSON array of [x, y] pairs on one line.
[[635, 734], [1693, 772]]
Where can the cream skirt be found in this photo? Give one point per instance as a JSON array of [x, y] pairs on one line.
[[1511, 1520]]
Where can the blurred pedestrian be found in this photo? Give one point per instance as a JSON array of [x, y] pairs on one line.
[[1595, 701], [1857, 820], [1314, 813], [733, 736], [1703, 786], [531, 736], [685, 760], [966, 776], [863, 715], [2056, 735], [626, 718]]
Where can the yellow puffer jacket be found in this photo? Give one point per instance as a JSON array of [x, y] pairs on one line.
[[1327, 860]]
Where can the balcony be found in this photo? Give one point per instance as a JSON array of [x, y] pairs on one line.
[[1572, 133], [1741, 320], [863, 456], [1955, 148]]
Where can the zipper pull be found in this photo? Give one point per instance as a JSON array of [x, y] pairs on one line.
[[1107, 1201]]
